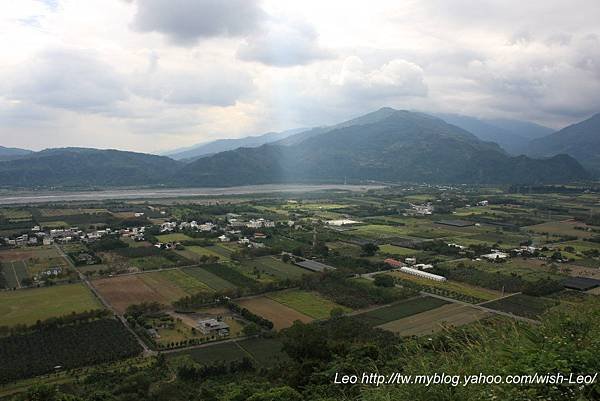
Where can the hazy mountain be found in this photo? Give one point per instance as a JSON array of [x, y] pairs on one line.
[[12, 153], [386, 145], [369, 118], [80, 167], [580, 140], [222, 145], [512, 135]]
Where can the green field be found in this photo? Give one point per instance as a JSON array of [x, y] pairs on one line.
[[150, 262], [211, 280], [28, 306], [273, 267], [396, 250], [400, 310], [188, 283], [263, 351], [522, 305], [308, 303], [175, 237], [208, 251]]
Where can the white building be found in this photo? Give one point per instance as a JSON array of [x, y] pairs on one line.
[[420, 273]]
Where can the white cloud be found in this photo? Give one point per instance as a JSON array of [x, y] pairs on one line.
[[284, 44], [65, 78], [152, 74]]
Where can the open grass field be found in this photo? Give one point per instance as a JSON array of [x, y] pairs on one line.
[[187, 283], [162, 284], [122, 291], [522, 305], [282, 316], [527, 269], [28, 253], [566, 227], [308, 303], [462, 288], [213, 281], [150, 262], [396, 250], [206, 251], [28, 306], [274, 268], [400, 310], [173, 237], [432, 321]]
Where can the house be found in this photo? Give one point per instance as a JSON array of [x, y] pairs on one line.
[[483, 203], [138, 214], [244, 241], [260, 235], [223, 238], [423, 266], [496, 256], [342, 222], [393, 262], [410, 261], [213, 327], [314, 265]]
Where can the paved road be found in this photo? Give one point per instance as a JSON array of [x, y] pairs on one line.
[[84, 279]]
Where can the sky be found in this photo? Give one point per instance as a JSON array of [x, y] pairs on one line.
[[155, 75]]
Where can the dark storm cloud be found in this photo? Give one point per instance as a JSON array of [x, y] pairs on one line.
[[186, 21]]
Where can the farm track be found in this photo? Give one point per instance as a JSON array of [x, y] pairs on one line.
[[12, 265]]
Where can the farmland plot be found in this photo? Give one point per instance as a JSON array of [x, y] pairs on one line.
[[400, 310], [309, 303], [429, 322], [282, 316]]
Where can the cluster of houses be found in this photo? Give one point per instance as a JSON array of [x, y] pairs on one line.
[[170, 226], [39, 236], [419, 210]]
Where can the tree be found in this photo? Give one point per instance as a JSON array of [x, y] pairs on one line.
[[384, 280], [251, 329], [369, 249]]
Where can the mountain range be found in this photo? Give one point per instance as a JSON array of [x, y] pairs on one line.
[[12, 153], [512, 135], [581, 140], [223, 145], [386, 145]]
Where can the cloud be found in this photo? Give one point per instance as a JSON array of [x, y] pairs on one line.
[[206, 84], [395, 78], [184, 22], [67, 79], [284, 44]]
